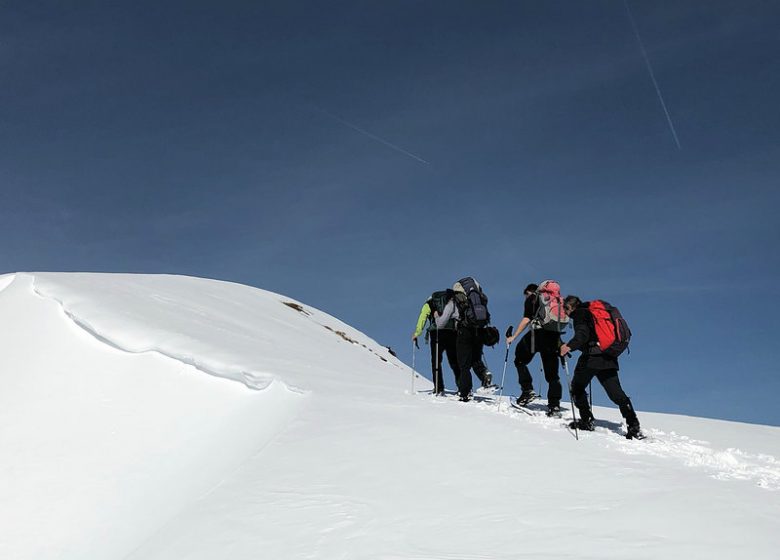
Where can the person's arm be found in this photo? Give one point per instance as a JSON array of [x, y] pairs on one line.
[[425, 312], [520, 328], [581, 333], [449, 312], [528, 315]]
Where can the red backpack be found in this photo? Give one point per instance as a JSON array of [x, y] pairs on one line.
[[611, 329]]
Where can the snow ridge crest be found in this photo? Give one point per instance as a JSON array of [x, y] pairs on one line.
[[120, 327]]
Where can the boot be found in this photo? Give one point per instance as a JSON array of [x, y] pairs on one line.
[[553, 411], [586, 421], [632, 422], [628, 412], [526, 397], [634, 432], [583, 424]]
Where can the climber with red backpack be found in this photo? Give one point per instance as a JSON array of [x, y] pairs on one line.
[[544, 316], [601, 334]]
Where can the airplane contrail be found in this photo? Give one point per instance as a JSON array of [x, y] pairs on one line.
[[652, 75], [373, 136]]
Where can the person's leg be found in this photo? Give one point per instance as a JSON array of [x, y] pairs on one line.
[[477, 347], [611, 382], [482, 373], [448, 338], [548, 348], [579, 394], [465, 350], [523, 357], [436, 377]]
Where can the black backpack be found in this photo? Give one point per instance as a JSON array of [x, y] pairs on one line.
[[490, 336], [472, 303], [436, 302]]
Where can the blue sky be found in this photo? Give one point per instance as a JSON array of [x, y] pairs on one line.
[[359, 155]]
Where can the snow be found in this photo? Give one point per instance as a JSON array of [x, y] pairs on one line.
[[154, 416]]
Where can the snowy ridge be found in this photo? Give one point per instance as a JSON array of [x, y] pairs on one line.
[[116, 449], [6, 280], [166, 346], [222, 342], [94, 437]]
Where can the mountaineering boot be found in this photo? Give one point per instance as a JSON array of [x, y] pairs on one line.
[[526, 397], [634, 432], [487, 380], [583, 424], [632, 422], [553, 411]]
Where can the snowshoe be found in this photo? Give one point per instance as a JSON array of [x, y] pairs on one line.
[[634, 432], [554, 411], [526, 397], [521, 408], [487, 390], [583, 424]]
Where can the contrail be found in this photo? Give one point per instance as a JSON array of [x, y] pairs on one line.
[[652, 75], [373, 136]]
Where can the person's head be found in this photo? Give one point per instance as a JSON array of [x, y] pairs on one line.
[[571, 303], [530, 290]]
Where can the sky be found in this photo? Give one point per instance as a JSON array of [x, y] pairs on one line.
[[359, 155]]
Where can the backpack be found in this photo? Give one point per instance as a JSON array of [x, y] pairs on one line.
[[472, 303], [436, 302], [611, 328], [551, 314], [490, 336]]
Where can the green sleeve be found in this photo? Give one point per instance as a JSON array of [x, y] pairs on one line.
[[424, 314]]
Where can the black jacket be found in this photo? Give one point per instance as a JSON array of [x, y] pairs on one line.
[[585, 340]]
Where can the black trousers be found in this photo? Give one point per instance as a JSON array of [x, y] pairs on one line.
[[447, 344], [610, 381], [546, 343], [442, 342], [469, 350]]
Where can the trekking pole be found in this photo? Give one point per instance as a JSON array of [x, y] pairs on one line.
[[533, 352], [437, 374], [414, 345], [506, 359], [568, 383]]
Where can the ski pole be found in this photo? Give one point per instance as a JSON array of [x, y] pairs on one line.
[[541, 371], [568, 383], [508, 333], [414, 345], [438, 374]]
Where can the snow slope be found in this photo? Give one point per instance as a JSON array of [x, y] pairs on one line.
[[151, 417]]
